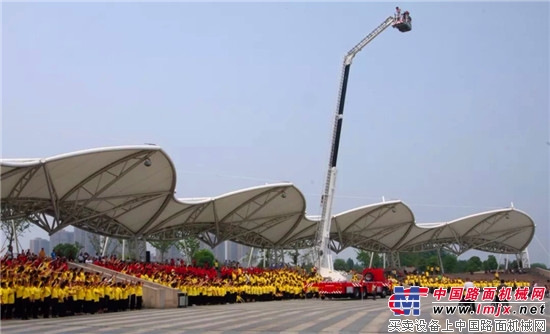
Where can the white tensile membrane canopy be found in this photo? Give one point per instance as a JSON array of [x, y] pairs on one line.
[[129, 192]]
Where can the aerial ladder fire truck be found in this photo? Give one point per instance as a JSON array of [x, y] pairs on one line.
[[334, 283]]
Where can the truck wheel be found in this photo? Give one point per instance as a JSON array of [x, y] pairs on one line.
[[384, 293]]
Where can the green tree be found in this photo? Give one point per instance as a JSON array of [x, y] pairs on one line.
[[188, 247], [409, 259], [461, 266], [491, 263], [204, 256], [539, 265], [450, 263], [163, 246], [474, 264], [364, 259], [418, 260], [432, 261], [422, 264], [340, 264], [68, 251], [377, 261], [350, 264]]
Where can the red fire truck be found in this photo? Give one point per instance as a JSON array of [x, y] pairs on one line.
[[336, 284], [373, 283]]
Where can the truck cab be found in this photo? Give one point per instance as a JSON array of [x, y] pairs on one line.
[[380, 285]]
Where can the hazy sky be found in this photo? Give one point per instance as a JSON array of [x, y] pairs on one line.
[[451, 118]]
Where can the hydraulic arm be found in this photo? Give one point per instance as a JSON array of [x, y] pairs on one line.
[[323, 231]]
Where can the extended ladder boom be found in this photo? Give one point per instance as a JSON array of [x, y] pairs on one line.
[[323, 230], [357, 48]]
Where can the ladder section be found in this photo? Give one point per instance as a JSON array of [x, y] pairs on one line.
[[359, 46], [341, 98], [322, 234], [334, 148], [523, 259]]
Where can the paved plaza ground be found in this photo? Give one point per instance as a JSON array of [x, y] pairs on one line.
[[293, 316]]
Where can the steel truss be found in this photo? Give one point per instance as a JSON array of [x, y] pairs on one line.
[[79, 206], [89, 206], [196, 211], [395, 261], [241, 224], [361, 230], [477, 237], [488, 242]]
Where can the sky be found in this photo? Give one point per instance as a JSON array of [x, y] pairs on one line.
[[452, 117]]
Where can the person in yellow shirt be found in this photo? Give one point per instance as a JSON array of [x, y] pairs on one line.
[[3, 299], [139, 295], [55, 299], [117, 296], [99, 294], [35, 298], [79, 293], [132, 292], [108, 296], [46, 298], [62, 294], [26, 300], [19, 306], [125, 297], [11, 300], [88, 297]]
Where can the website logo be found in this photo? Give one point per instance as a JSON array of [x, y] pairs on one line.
[[403, 301]]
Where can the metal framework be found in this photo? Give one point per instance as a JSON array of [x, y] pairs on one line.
[[110, 191], [523, 259]]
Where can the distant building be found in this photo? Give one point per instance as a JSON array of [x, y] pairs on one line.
[[61, 237], [37, 244], [226, 251], [230, 251], [84, 239], [172, 253], [114, 247], [129, 250]]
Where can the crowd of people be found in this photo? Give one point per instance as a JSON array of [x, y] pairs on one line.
[[442, 281], [33, 286], [225, 284], [434, 279]]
